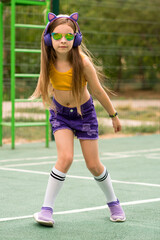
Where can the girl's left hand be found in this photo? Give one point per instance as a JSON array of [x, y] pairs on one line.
[[116, 124]]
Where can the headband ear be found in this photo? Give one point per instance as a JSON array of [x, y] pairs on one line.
[[51, 17], [74, 16]]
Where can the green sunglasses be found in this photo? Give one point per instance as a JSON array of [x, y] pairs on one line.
[[58, 36]]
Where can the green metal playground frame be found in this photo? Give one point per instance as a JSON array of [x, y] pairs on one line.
[[13, 124]]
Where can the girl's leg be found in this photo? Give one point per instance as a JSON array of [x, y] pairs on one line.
[[64, 139], [90, 152], [64, 142]]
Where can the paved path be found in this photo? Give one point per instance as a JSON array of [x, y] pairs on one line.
[[40, 116]]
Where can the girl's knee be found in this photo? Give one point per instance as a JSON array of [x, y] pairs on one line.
[[95, 168], [64, 162]]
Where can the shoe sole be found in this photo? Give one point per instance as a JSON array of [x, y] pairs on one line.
[[118, 220], [42, 222]]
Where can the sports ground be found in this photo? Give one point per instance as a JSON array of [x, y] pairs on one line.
[[80, 210]]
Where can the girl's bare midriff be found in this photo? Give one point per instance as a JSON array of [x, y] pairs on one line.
[[66, 98]]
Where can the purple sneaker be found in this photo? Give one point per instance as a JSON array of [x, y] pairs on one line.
[[117, 213], [44, 217]]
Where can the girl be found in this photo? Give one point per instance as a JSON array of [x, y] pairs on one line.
[[66, 69]]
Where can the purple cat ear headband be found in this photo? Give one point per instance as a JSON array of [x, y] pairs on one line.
[[74, 18]]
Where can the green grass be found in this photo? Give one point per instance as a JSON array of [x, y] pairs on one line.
[[30, 110], [140, 129], [102, 129], [29, 133], [23, 119], [127, 112]]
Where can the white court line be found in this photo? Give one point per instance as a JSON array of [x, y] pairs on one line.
[[117, 156], [134, 151], [41, 173], [25, 171], [53, 157], [117, 181], [153, 155], [36, 163], [78, 177], [29, 164], [85, 209], [34, 158], [51, 162], [80, 155], [27, 159], [137, 183]]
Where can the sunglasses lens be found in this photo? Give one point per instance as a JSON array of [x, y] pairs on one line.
[[57, 36], [69, 36]]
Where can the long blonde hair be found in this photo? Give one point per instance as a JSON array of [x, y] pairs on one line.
[[48, 56]]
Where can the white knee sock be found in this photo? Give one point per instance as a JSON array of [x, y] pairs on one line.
[[55, 183], [104, 182]]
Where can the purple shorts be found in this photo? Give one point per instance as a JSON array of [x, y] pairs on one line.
[[84, 127]]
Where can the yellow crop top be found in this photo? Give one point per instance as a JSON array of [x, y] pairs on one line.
[[62, 80]]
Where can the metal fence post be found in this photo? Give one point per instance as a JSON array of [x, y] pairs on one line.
[[1, 69]]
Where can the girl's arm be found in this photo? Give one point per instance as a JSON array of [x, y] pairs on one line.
[[99, 92]]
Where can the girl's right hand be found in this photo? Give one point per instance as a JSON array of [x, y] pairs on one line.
[[116, 124]]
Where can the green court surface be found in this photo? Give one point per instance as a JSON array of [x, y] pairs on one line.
[[80, 210]]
